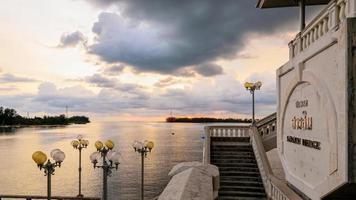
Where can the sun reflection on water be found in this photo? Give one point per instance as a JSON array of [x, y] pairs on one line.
[[19, 174]]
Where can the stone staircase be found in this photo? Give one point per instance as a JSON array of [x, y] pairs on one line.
[[239, 174]]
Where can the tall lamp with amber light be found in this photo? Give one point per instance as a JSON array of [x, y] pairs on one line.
[[143, 148], [252, 87], [80, 144], [110, 159], [40, 159]]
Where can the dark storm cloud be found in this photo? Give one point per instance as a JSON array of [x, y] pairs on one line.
[[208, 69], [164, 36], [71, 39], [113, 70]]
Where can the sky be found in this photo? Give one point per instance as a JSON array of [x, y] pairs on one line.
[[139, 60]]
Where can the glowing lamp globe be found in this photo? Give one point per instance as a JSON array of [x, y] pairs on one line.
[[138, 145], [258, 85], [109, 144], [94, 157], [149, 145], [58, 155], [248, 85], [75, 143], [39, 157], [99, 145], [79, 137], [85, 142], [113, 156], [54, 151]]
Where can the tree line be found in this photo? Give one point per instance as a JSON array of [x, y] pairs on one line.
[[9, 116], [206, 120]]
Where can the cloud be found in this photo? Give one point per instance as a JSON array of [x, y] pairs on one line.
[[165, 36], [112, 84], [113, 70], [72, 39], [10, 78], [208, 69], [218, 94], [167, 82]]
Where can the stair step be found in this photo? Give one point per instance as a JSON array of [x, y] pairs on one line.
[[223, 150], [232, 160], [241, 194], [233, 156], [220, 146], [252, 165], [247, 153], [241, 188], [241, 178], [239, 182], [238, 169], [241, 198], [240, 173]]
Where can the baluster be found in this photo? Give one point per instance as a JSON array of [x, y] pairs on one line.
[[320, 28], [315, 33], [325, 24], [306, 39], [342, 11]]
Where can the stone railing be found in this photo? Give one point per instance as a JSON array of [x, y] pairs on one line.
[[267, 128], [221, 131], [325, 22], [275, 188]]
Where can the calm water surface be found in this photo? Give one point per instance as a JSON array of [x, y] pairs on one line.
[[20, 175]]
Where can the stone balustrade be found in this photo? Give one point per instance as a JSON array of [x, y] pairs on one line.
[[221, 131], [275, 188], [227, 131], [326, 22]]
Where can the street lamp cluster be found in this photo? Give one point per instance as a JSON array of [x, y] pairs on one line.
[[143, 148], [252, 87], [40, 159], [105, 155], [80, 144], [110, 160]]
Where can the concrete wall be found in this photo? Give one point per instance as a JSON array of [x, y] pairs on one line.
[[315, 159]]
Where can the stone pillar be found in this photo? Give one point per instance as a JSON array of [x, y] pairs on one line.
[[351, 8]]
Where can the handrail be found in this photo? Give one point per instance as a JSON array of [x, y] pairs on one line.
[[275, 188], [29, 197]]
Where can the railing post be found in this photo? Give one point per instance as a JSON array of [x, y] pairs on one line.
[[351, 8], [333, 16]]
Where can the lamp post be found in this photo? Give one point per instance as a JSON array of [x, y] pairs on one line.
[[252, 87], [40, 159], [110, 159], [143, 148], [80, 144]]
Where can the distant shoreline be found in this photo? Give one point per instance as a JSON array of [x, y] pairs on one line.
[[9, 118], [205, 120], [38, 125]]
